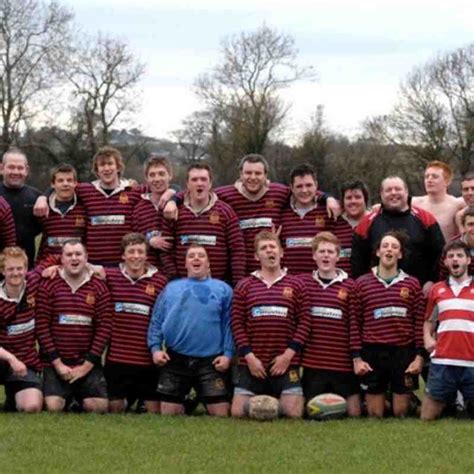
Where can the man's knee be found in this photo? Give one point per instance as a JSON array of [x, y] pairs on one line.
[[54, 404], [95, 405]]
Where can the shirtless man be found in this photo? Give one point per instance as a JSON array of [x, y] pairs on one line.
[[467, 189], [437, 201]]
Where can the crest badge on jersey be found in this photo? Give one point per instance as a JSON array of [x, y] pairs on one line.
[[293, 376], [214, 217], [270, 203], [123, 198], [90, 299], [405, 293], [150, 290], [219, 384], [79, 222], [288, 292], [30, 301], [320, 222], [342, 294]]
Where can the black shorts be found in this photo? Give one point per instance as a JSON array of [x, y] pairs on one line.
[[287, 384], [14, 384], [318, 381], [389, 364], [131, 381], [182, 373], [93, 385]]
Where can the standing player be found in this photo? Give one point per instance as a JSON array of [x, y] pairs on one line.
[[17, 331], [207, 221], [74, 323], [467, 189], [437, 201], [270, 323], [390, 309], [355, 200], [67, 216], [449, 335], [191, 319], [301, 220], [327, 360], [147, 217], [134, 287]]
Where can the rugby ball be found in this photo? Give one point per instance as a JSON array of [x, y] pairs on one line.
[[327, 406], [263, 408]]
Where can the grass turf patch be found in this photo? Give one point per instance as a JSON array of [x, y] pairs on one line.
[[147, 443]]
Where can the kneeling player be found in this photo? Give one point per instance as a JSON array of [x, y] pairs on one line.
[[17, 332], [270, 322], [449, 335], [134, 287], [390, 309], [192, 319], [327, 359], [74, 322]]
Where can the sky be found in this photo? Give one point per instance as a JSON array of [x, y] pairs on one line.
[[361, 50]]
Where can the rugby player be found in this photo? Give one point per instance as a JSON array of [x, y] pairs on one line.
[[326, 359], [301, 220], [467, 189], [270, 323], [17, 332], [73, 325], [134, 287], [449, 335], [205, 220], [390, 353], [191, 318]]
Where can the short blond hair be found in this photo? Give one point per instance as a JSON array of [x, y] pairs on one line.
[[325, 237], [266, 235], [12, 252]]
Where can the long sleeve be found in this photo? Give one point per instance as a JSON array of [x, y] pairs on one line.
[[238, 325], [236, 247], [155, 330], [43, 323], [229, 347]]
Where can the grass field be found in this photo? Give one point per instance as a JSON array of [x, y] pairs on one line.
[[145, 443]]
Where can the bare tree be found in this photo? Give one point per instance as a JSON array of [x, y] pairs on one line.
[[434, 115], [103, 73], [34, 37], [241, 94], [193, 137]]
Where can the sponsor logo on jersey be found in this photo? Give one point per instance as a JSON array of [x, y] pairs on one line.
[[324, 312], [320, 222], [280, 311], [298, 242], [134, 308], [198, 239], [150, 290], [90, 299], [80, 221], [214, 217], [342, 294], [16, 329], [405, 293], [152, 233], [108, 220], [75, 320], [345, 253], [293, 376], [269, 203], [390, 312], [288, 292], [56, 241], [123, 198], [255, 223]]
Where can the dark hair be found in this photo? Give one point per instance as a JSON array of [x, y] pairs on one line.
[[456, 245], [400, 235], [199, 166], [132, 238], [157, 160], [63, 168], [74, 241], [254, 158], [469, 212], [302, 170], [467, 176], [355, 184]]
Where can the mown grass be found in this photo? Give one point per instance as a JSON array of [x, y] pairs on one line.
[[146, 443]]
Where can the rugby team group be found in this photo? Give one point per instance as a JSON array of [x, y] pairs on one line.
[[139, 293]]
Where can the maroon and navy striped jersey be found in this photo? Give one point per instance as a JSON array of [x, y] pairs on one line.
[[17, 322], [328, 345], [147, 219], [389, 313], [132, 302], [109, 218], [297, 235], [255, 215], [217, 229], [7, 225], [59, 227], [267, 320], [343, 230], [73, 325]]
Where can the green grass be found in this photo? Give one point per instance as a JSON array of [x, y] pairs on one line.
[[147, 443]]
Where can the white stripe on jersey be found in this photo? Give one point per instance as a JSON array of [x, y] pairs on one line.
[[456, 362], [461, 304], [456, 325]]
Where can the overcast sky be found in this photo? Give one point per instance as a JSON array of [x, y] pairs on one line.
[[361, 49]]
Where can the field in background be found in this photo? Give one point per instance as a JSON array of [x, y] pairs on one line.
[[145, 443]]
